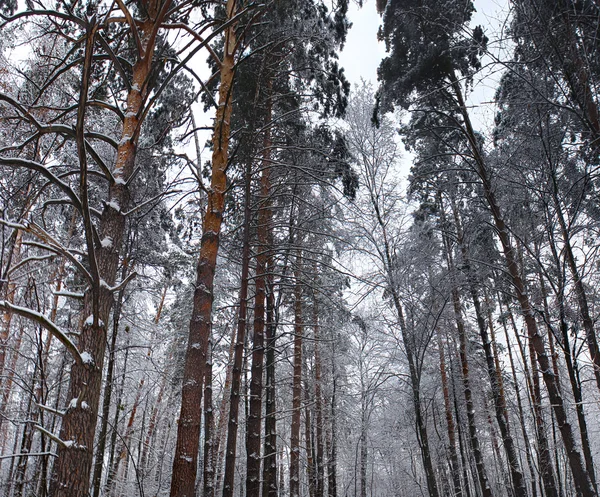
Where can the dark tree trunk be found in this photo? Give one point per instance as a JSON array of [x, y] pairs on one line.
[[297, 382], [238, 358], [454, 464], [581, 477]]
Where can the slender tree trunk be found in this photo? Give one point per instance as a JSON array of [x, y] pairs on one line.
[[544, 456], [236, 379], [318, 397], [185, 461], [581, 477], [454, 464], [219, 449], [464, 362], [270, 453], [582, 299], [297, 382], [516, 382], [115, 426], [332, 489], [208, 484], [106, 401], [308, 436], [253, 433], [518, 482]]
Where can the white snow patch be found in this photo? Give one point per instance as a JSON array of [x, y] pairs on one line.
[[106, 242], [89, 320], [85, 406], [114, 205], [186, 458], [119, 180], [73, 403], [87, 358]]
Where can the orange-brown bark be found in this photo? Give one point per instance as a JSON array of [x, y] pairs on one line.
[[185, 460]]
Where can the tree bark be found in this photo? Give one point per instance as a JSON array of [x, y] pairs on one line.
[[253, 433], [72, 468], [297, 381], [454, 464], [236, 379], [185, 461], [581, 477], [518, 482]]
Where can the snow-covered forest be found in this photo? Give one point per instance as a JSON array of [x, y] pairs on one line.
[[226, 271]]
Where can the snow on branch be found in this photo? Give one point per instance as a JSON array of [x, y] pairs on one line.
[[46, 323]]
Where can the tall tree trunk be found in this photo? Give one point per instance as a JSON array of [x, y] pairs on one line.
[[332, 490], [464, 362], [544, 455], [318, 396], [581, 477], [236, 379], [115, 425], [107, 398], [253, 433], [516, 382], [208, 483], [71, 472], [219, 446], [454, 464], [297, 381], [270, 453], [185, 460], [582, 299], [518, 482], [519, 487]]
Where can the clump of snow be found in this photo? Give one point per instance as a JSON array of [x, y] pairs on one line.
[[114, 205], [106, 242], [87, 358], [73, 403], [89, 320]]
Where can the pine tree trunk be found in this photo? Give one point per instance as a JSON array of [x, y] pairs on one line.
[[219, 446], [318, 397], [270, 453], [106, 401], [185, 460], [580, 475], [297, 382], [72, 468], [466, 381], [518, 482], [253, 434], [208, 483], [528, 455], [544, 456], [454, 464], [236, 379], [582, 299]]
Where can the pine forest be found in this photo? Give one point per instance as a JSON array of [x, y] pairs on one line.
[[229, 268]]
